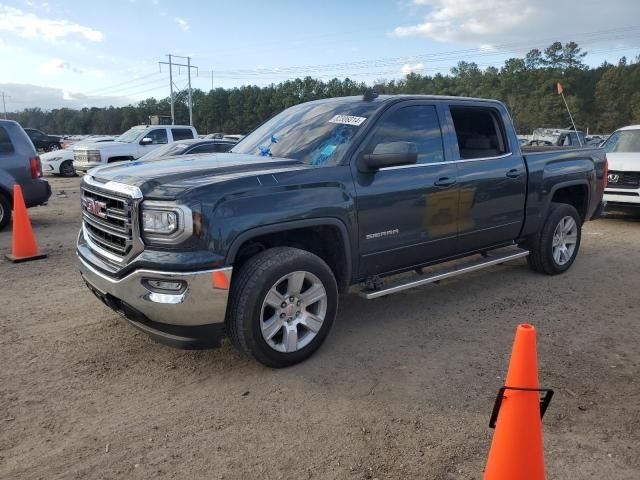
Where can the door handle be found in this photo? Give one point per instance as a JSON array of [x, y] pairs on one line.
[[444, 182], [514, 173]]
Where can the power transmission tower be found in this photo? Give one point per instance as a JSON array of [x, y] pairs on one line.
[[4, 105], [172, 85]]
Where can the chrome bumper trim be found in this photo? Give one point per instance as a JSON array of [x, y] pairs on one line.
[[201, 303]]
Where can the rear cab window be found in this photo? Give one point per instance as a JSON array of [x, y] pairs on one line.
[[479, 131], [181, 134], [5, 142]]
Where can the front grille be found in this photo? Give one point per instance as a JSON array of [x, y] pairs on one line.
[[108, 220], [624, 180], [80, 156]]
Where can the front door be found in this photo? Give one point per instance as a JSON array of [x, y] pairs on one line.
[[406, 215]]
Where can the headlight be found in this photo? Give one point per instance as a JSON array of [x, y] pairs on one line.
[[94, 155], [158, 221], [164, 222]]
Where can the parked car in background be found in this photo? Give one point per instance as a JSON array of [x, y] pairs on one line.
[[558, 137], [258, 243], [188, 147], [218, 135], [623, 153], [131, 145], [60, 162], [19, 163], [233, 138], [42, 141]]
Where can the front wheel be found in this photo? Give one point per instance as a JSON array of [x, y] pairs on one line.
[[556, 246], [66, 169], [283, 304]]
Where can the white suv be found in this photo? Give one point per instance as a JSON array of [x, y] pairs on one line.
[[129, 146], [623, 153]]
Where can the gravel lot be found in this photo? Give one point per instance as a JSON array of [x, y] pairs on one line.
[[402, 389]]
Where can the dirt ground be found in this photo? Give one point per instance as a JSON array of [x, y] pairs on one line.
[[403, 388]]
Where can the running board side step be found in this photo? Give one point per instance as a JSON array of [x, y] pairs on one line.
[[491, 258]]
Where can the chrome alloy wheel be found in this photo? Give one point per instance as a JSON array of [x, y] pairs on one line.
[[565, 238], [293, 311]]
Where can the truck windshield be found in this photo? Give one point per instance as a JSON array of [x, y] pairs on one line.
[[317, 133], [130, 136], [623, 141]]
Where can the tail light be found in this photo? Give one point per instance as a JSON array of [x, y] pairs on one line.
[[36, 167], [605, 177]]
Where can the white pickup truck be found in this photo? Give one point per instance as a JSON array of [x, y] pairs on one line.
[[131, 145]]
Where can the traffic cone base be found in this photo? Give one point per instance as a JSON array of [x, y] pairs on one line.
[[23, 243], [25, 259]]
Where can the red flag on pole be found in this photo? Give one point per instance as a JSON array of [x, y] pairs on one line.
[[559, 88]]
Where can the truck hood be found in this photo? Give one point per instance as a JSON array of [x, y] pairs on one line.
[[624, 162], [171, 176]]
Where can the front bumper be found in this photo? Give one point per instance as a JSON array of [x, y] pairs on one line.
[[192, 317], [84, 167], [51, 167], [619, 196]]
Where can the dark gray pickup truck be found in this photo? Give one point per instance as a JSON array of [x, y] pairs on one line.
[[257, 244]]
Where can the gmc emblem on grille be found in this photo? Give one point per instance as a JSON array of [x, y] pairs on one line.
[[614, 177], [95, 207]]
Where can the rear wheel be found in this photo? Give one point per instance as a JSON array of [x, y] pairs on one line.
[[66, 169], [5, 211], [556, 246], [283, 303]]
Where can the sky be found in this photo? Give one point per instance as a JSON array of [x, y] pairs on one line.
[[80, 53]]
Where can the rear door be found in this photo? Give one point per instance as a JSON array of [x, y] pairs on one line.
[[491, 176], [407, 215], [181, 134]]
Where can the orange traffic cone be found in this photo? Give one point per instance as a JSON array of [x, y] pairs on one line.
[[23, 245], [516, 450]]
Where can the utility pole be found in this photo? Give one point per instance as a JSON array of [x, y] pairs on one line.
[[190, 102], [4, 105], [172, 64]]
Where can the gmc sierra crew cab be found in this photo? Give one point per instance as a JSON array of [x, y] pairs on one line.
[[258, 243]]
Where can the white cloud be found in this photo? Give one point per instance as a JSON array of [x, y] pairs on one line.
[[57, 65], [493, 22], [29, 96], [182, 23], [28, 25], [408, 68]]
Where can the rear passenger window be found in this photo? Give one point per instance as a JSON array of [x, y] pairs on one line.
[[181, 134], [5, 142], [479, 132], [159, 136], [417, 124]]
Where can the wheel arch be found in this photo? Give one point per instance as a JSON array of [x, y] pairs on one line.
[[574, 192], [308, 232]]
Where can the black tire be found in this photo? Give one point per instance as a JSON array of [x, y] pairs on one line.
[[541, 257], [5, 211], [248, 292], [66, 169]]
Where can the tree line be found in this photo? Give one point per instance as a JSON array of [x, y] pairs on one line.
[[601, 99]]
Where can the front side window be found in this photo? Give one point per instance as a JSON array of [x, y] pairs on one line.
[[479, 132], [158, 136], [181, 134], [315, 133], [416, 124], [623, 141]]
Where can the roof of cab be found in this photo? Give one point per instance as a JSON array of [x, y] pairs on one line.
[[630, 127]]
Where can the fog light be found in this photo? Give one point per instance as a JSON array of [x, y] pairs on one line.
[[166, 285]]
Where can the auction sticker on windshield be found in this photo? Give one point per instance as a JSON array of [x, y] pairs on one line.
[[348, 120]]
